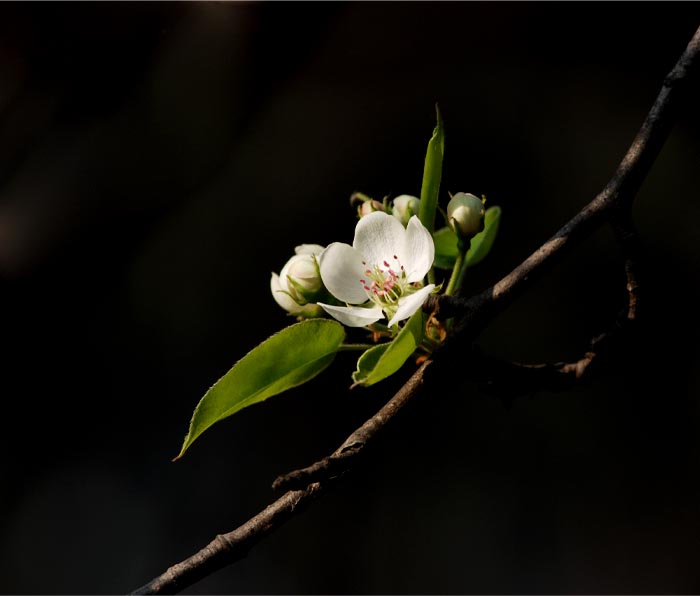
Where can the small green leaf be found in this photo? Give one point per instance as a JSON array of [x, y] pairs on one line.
[[446, 242], [287, 359], [382, 361], [483, 241], [368, 361], [432, 174]]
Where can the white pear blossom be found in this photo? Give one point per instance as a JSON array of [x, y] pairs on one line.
[[381, 274], [299, 280]]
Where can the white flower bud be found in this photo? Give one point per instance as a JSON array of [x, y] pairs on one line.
[[299, 284], [302, 274], [405, 207], [465, 214]]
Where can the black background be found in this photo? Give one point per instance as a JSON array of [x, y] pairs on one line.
[[158, 161]]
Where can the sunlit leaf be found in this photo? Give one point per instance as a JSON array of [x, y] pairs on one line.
[[382, 361], [287, 359]]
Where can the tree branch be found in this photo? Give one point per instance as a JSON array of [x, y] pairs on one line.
[[475, 312], [617, 195], [228, 548], [338, 462]]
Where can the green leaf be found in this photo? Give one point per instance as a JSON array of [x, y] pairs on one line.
[[445, 248], [432, 174], [446, 242], [287, 359], [382, 361], [368, 361], [483, 241]]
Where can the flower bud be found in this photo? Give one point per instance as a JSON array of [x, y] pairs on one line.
[[405, 207], [299, 284], [302, 276], [465, 215], [368, 207]]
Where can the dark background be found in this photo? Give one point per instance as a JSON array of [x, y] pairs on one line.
[[158, 161]]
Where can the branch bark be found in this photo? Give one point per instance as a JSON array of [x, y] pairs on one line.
[[228, 548], [474, 313]]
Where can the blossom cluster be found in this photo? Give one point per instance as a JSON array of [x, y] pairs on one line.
[[381, 275]]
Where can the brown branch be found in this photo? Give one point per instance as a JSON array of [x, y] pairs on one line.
[[474, 313], [228, 548], [338, 462], [617, 195]]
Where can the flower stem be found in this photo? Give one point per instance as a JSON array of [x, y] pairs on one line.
[[455, 284]]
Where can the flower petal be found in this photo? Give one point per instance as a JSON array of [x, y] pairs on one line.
[[278, 287], [419, 250], [354, 316], [341, 271], [280, 294], [378, 238], [410, 304], [308, 249]]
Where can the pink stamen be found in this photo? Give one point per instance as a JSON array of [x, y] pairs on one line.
[[386, 264]]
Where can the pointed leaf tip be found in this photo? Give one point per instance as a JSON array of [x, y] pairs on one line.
[[287, 359]]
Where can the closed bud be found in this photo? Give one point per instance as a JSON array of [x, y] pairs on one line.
[[405, 207], [302, 275], [299, 285], [368, 207], [465, 215]]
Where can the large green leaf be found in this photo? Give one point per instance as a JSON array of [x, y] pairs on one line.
[[287, 359], [446, 242], [432, 174], [382, 361]]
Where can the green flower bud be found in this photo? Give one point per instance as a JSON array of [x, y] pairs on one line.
[[465, 215], [405, 207]]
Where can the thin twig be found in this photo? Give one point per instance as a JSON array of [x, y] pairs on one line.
[[508, 380], [475, 313]]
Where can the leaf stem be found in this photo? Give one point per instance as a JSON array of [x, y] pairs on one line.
[[355, 347]]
